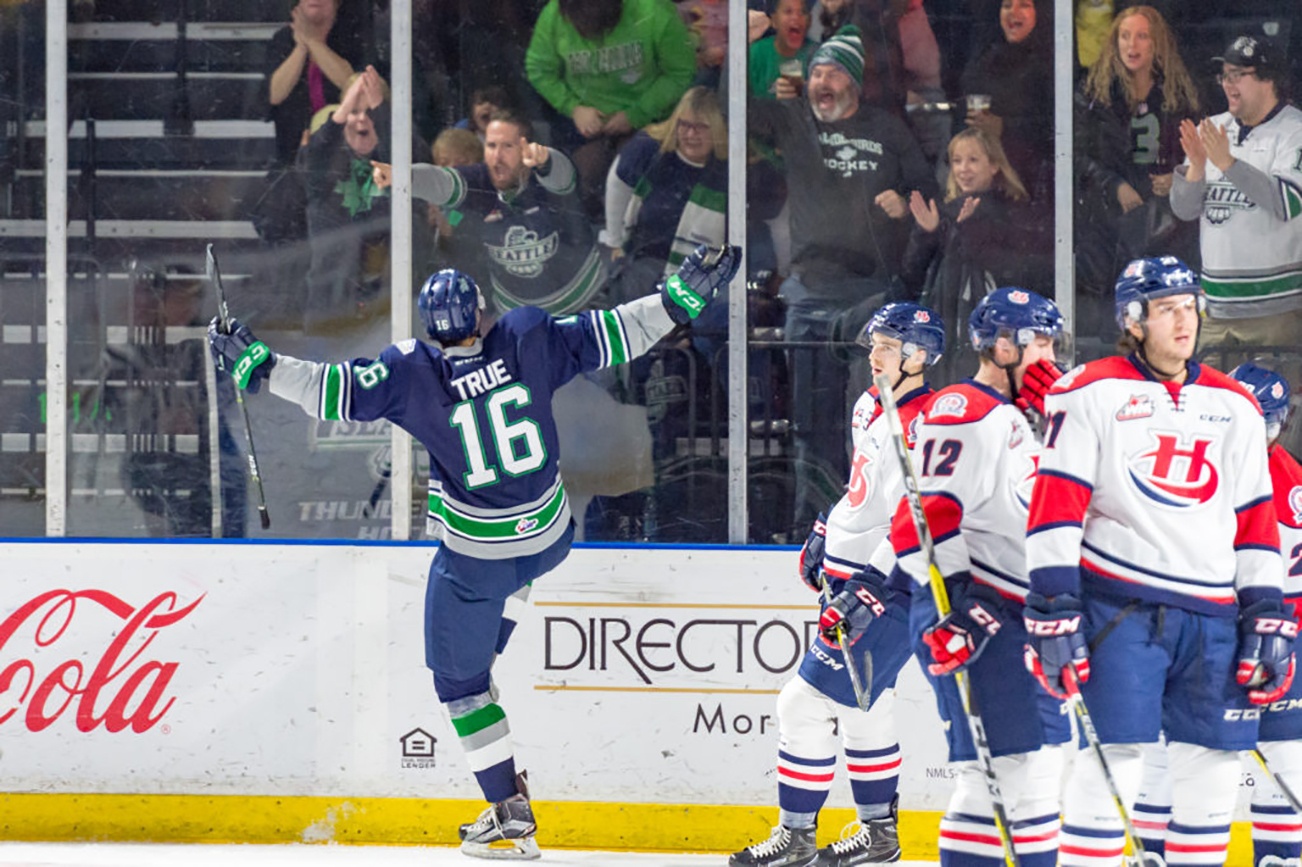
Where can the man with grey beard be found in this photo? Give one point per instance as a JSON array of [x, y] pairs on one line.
[[850, 169]]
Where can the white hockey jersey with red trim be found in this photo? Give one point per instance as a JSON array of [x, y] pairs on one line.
[[1160, 491], [861, 519], [975, 458], [1286, 479]]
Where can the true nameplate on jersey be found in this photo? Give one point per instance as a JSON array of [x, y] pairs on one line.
[[483, 380]]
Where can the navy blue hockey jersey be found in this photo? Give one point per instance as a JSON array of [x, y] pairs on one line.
[[483, 412]]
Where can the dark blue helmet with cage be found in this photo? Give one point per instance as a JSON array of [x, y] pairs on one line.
[[1146, 279], [449, 305], [1268, 387], [1015, 313], [917, 327]]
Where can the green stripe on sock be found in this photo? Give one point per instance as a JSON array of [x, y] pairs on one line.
[[477, 720]]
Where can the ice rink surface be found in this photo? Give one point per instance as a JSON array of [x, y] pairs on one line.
[[204, 855]]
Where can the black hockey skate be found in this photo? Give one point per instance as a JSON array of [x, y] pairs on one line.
[[505, 830], [786, 847], [876, 841]]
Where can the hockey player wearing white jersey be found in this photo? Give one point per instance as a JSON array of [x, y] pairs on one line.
[[1155, 571], [481, 406], [1276, 828], [819, 702], [977, 453]]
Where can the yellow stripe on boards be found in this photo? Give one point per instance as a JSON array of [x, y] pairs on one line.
[[416, 821]]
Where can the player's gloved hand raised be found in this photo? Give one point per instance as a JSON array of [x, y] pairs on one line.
[[962, 634], [1055, 643], [689, 291], [246, 357], [1266, 636], [862, 600], [1036, 382], [811, 555]]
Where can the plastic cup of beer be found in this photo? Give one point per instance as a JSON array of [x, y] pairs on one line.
[[794, 72], [978, 102]]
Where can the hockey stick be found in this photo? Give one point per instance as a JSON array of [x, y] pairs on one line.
[[862, 696], [1279, 781], [1137, 857], [939, 593], [368, 511], [224, 313]]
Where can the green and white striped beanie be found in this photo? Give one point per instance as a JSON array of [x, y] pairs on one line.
[[845, 49]]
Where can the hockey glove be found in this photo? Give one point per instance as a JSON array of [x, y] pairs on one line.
[[1266, 635], [246, 357], [1055, 643], [1036, 382], [811, 556], [862, 600], [960, 636], [689, 291]]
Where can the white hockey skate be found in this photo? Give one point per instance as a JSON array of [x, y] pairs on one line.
[[505, 830]]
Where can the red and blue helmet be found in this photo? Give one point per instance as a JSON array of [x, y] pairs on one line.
[[1015, 313], [449, 305], [915, 326], [1268, 387], [1156, 277]]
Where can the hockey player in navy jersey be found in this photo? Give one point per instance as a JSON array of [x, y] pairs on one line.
[[1156, 580], [976, 461], [1276, 828], [481, 406], [819, 702]]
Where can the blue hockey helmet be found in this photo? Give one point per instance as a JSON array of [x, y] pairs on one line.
[[449, 303], [1268, 387], [917, 327], [1155, 277], [1015, 313]]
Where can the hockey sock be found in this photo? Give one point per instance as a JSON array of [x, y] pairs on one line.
[[1150, 821], [874, 779], [1196, 844], [969, 841], [482, 728], [803, 784], [1276, 833]]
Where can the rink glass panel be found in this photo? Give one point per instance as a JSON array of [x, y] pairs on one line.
[[178, 153]]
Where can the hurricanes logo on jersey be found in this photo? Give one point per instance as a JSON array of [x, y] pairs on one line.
[[1139, 406], [860, 487], [949, 404], [1175, 473]]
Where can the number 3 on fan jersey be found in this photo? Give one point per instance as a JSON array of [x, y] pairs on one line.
[[519, 443]]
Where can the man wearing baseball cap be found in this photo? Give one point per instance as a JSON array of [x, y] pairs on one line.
[[1243, 179]]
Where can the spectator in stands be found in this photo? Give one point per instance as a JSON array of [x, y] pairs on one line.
[[707, 21], [483, 103], [850, 169], [348, 225], [454, 147], [979, 238], [785, 54], [667, 193], [308, 65], [828, 16], [155, 391], [1127, 144], [519, 207], [1009, 92], [611, 67], [1242, 178]]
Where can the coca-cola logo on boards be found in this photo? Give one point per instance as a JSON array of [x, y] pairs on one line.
[[120, 689]]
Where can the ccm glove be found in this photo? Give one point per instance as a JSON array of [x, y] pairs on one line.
[[1036, 382], [690, 290], [1266, 635], [811, 555], [960, 636], [1055, 643], [246, 357], [862, 600]]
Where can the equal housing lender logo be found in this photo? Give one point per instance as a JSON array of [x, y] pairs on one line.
[[418, 749]]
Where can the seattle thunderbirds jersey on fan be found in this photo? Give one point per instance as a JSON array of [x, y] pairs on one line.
[[976, 457], [861, 518], [1251, 226], [539, 247], [484, 414], [1153, 490], [1286, 479]]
